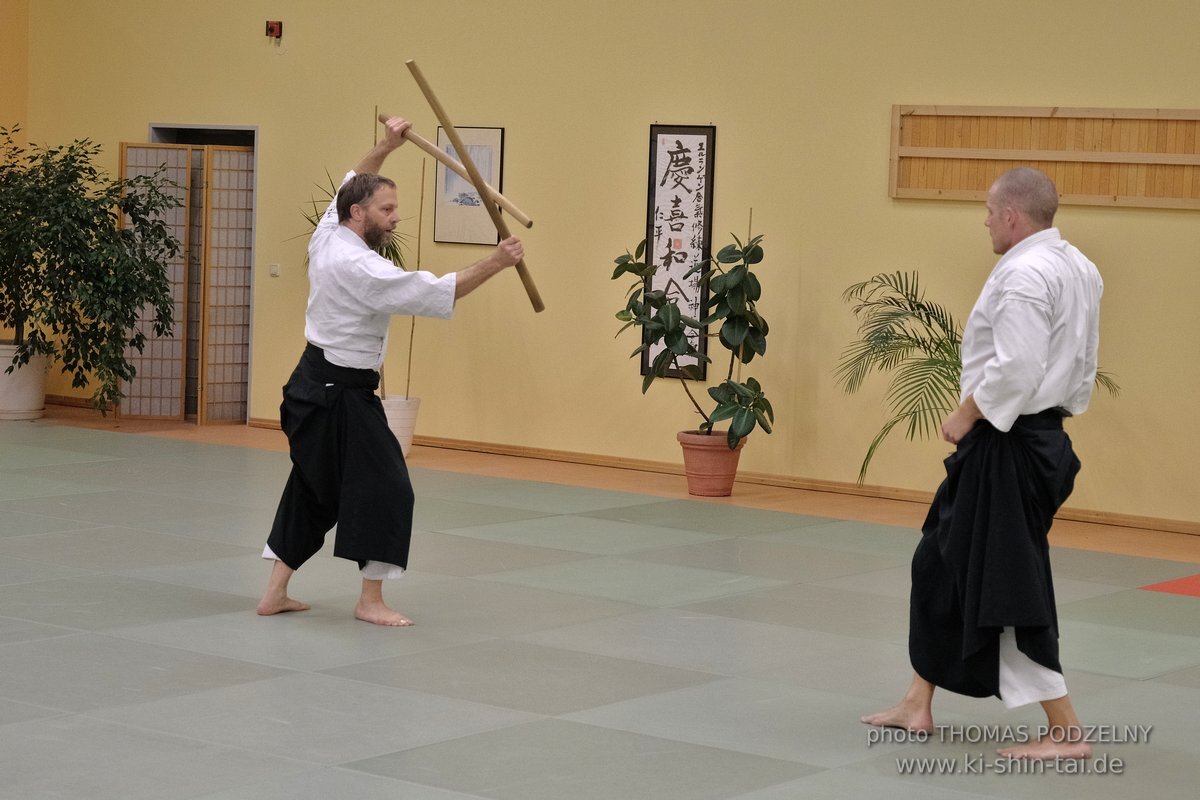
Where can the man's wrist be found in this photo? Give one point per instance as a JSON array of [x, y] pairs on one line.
[[970, 408]]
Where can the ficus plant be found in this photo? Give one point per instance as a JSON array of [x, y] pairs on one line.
[[83, 261], [733, 294]]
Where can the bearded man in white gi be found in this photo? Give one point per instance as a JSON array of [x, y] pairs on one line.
[[982, 615], [347, 467]]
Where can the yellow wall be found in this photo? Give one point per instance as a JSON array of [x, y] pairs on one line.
[[14, 61], [14, 77], [800, 93]]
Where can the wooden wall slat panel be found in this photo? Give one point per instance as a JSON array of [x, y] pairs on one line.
[[1096, 156]]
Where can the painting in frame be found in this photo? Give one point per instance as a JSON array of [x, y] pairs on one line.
[[459, 215]]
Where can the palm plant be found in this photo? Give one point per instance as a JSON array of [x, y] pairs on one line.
[[919, 343], [915, 340], [393, 246]]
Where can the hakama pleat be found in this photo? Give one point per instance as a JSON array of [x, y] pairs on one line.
[[983, 562], [347, 469]]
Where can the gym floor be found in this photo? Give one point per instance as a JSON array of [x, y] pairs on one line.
[[582, 632]]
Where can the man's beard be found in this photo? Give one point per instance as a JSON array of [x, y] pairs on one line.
[[375, 235]]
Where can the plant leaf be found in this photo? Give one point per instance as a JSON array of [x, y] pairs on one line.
[[668, 316], [743, 423], [729, 254], [734, 331]]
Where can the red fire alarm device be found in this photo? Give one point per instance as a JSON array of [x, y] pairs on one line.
[[275, 29]]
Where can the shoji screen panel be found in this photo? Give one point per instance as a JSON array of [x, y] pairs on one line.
[[195, 284], [225, 344], [158, 387]]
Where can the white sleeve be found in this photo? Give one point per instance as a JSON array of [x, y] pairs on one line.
[[1021, 330], [384, 288], [1081, 398]]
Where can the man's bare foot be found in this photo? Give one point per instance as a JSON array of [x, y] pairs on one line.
[[380, 614], [1047, 749], [909, 716], [275, 599], [276, 605]]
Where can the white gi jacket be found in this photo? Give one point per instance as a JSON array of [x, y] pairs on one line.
[[1030, 343], [353, 292]]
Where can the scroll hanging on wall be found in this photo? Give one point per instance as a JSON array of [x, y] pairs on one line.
[[678, 227]]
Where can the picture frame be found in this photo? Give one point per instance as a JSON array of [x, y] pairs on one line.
[[679, 228], [459, 215]]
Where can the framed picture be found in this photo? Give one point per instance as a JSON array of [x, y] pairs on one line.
[[678, 226], [458, 212]]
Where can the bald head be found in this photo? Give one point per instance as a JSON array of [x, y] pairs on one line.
[[1029, 191]]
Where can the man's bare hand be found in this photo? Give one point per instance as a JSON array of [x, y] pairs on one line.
[[509, 251], [396, 127], [506, 254], [961, 420], [393, 137]]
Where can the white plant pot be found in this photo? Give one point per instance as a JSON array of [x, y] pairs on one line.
[[23, 392], [402, 419]]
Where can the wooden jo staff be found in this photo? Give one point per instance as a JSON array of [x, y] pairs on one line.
[[453, 165], [476, 179]]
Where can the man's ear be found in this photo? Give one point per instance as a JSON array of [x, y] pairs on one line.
[[357, 212]]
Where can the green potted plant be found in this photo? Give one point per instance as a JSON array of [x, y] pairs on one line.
[[82, 259], [919, 344], [393, 246], [733, 294]]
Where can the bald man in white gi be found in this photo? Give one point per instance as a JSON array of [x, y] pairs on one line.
[[982, 614]]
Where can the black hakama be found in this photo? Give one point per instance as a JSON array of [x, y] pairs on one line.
[[347, 469], [983, 562]]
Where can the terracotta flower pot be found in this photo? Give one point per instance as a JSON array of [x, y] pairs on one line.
[[708, 463]]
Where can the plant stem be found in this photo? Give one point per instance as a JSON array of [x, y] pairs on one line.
[[412, 329], [749, 236], [683, 383], [412, 333]]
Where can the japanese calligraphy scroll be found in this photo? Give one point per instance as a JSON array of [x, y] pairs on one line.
[[678, 224]]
